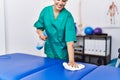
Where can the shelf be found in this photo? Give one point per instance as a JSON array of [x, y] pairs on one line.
[[94, 48], [77, 52], [101, 35]]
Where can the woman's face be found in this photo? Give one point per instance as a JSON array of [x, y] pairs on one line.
[[59, 4]]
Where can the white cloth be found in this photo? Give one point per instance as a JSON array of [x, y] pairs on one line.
[[66, 66]]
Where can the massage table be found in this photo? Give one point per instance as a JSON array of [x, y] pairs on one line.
[[103, 73], [57, 72], [21, 66], [18, 65]]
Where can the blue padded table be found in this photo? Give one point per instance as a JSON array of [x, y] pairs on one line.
[[103, 73], [57, 72], [18, 65]]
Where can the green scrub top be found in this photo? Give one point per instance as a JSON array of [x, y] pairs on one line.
[[59, 31]]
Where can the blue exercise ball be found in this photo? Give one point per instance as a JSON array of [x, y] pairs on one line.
[[89, 30], [98, 30]]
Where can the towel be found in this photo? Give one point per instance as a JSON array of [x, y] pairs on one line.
[[66, 66]]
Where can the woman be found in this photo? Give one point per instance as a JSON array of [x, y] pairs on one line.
[[59, 26]]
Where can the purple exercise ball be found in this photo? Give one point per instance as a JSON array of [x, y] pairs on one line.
[[98, 30]]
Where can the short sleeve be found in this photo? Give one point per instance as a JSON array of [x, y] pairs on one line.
[[39, 24], [70, 34]]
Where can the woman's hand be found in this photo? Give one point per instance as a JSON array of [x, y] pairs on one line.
[[41, 35], [73, 64], [70, 47]]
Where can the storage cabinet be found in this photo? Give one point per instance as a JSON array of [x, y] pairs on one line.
[[94, 49]]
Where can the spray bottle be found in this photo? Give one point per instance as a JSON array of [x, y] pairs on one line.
[[41, 43]]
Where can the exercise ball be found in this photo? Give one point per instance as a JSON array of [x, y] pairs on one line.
[[88, 30], [98, 30]]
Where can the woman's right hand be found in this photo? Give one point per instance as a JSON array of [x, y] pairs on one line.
[[41, 35]]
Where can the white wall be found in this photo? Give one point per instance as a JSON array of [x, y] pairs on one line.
[[2, 28], [21, 15], [94, 13]]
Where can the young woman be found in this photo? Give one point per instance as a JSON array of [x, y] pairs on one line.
[[58, 23]]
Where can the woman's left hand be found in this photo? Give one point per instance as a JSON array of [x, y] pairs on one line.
[[73, 64]]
